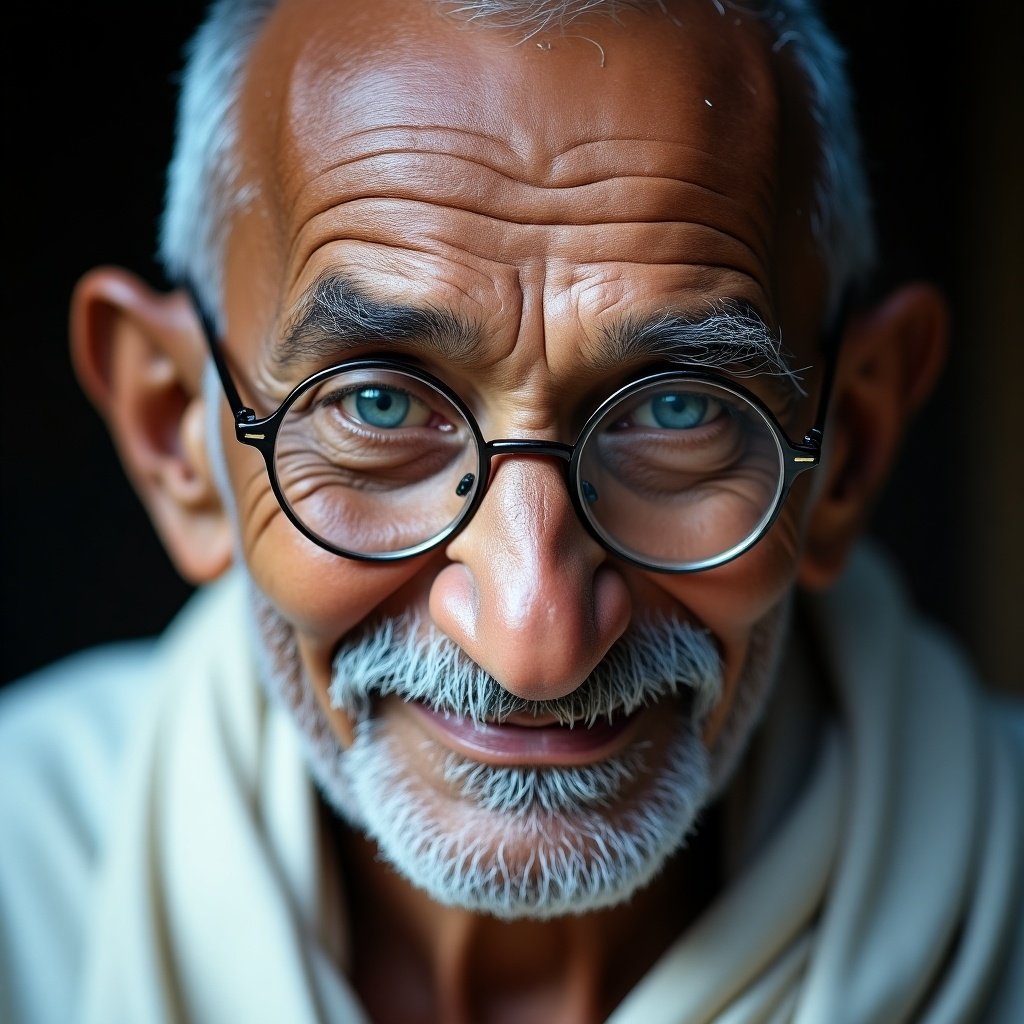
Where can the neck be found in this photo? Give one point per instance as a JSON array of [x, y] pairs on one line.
[[417, 961]]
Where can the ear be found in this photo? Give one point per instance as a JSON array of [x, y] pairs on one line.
[[139, 356], [889, 360]]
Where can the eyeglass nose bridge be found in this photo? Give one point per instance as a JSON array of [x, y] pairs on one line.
[[529, 447], [511, 446], [523, 446], [565, 453]]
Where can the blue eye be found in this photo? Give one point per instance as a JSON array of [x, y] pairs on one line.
[[386, 408], [677, 410], [382, 407]]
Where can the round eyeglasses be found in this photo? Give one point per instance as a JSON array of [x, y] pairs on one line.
[[376, 460]]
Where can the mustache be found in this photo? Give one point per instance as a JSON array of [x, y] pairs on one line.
[[658, 656]]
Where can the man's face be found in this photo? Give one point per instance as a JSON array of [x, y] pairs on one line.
[[545, 193]]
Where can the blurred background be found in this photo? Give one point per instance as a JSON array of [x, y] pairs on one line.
[[88, 126]]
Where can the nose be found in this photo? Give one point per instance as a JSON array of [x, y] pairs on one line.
[[529, 595]]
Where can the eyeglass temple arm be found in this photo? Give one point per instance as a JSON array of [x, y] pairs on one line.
[[241, 412], [830, 350]]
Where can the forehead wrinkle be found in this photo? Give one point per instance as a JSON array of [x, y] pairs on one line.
[[581, 163], [476, 243], [712, 246], [655, 158], [385, 153], [625, 187], [580, 181], [463, 183]]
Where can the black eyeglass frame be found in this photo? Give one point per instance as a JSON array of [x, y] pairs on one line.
[[261, 434]]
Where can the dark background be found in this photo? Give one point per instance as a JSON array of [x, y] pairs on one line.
[[89, 97]]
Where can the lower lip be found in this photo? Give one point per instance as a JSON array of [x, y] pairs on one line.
[[530, 744]]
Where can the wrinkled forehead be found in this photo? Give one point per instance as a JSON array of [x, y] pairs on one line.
[[645, 93], [662, 137]]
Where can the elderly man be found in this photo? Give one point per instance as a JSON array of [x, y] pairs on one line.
[[519, 410]]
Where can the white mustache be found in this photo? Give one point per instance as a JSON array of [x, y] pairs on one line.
[[658, 657]]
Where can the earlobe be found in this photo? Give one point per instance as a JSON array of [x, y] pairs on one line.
[[889, 360], [139, 357]]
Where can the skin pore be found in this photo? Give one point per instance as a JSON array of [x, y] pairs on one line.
[[403, 150]]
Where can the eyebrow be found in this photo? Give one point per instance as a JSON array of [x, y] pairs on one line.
[[335, 316], [731, 336]]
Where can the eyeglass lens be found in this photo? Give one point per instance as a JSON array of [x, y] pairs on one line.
[[680, 473], [673, 474]]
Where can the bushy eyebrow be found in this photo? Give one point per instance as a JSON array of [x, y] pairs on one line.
[[730, 335], [335, 316]]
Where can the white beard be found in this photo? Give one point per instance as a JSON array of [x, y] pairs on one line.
[[512, 841], [527, 861]]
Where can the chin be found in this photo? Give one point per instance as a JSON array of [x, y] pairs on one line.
[[525, 842]]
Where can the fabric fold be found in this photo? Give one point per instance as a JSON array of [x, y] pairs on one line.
[[915, 788], [900, 901], [208, 905]]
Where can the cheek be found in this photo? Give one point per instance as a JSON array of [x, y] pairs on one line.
[[322, 597], [319, 595], [731, 600]]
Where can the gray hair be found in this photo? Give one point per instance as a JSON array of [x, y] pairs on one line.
[[204, 187]]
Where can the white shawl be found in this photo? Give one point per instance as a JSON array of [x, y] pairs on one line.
[[889, 892], [892, 891]]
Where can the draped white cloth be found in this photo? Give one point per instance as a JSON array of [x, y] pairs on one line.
[[892, 890], [182, 878]]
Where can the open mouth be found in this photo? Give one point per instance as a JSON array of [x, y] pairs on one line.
[[525, 740]]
